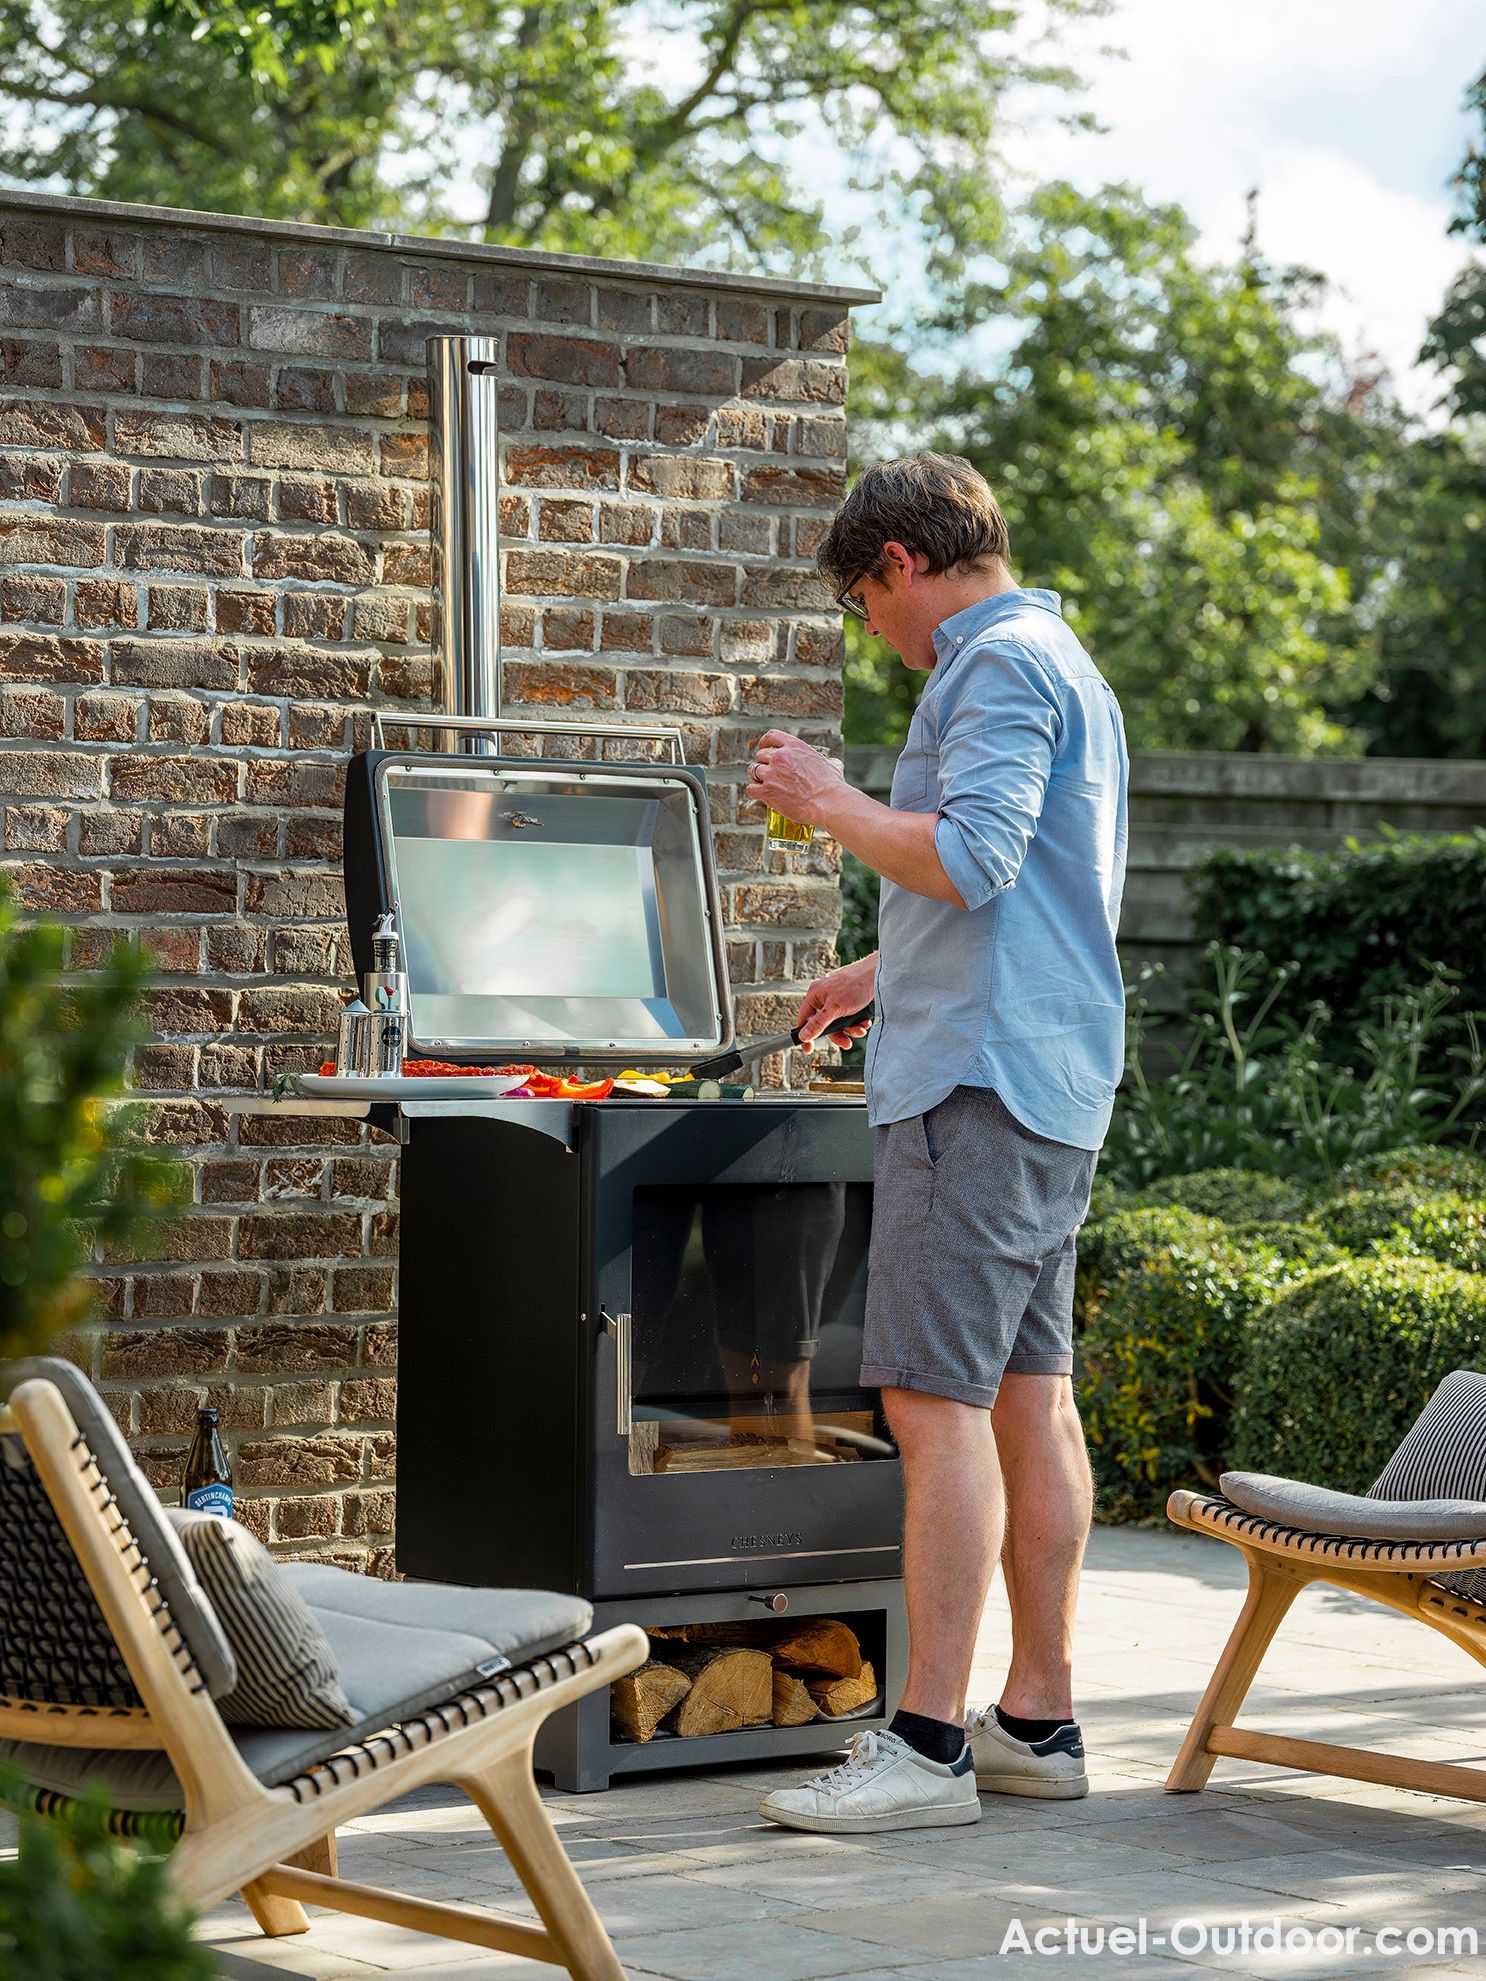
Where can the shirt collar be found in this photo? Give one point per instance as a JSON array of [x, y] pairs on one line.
[[957, 632]]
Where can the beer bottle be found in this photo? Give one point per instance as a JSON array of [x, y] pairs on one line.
[[206, 1477]]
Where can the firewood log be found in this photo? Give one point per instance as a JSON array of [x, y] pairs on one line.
[[793, 1704], [640, 1701], [836, 1696], [819, 1644], [729, 1688]]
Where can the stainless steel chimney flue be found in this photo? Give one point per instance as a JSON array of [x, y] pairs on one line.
[[464, 456]]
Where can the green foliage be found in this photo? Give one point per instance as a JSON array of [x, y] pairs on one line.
[[1449, 1228], [1337, 1369], [860, 888], [70, 1172], [1457, 1172], [1255, 1086], [1178, 454], [1359, 924], [1164, 1299], [1430, 618], [77, 1904], [1294, 1239], [1232, 1195], [650, 128], [1457, 337]]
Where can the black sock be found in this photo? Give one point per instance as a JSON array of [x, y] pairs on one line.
[[1029, 1730], [936, 1740]]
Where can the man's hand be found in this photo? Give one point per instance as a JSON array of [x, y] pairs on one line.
[[793, 778], [836, 995]]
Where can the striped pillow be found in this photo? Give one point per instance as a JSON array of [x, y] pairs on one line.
[[286, 1671], [1444, 1456]]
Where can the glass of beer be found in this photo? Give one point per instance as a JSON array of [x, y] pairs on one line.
[[788, 835]]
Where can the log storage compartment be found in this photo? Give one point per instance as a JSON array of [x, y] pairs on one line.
[[705, 1678]]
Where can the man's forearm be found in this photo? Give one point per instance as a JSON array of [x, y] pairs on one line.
[[898, 845]]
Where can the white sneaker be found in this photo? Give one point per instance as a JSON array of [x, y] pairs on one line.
[[883, 1784], [1052, 1769]]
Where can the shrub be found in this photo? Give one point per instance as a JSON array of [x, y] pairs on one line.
[[1299, 1240], [70, 1174], [77, 1904], [1337, 1368], [1233, 1195], [1164, 1300], [1462, 1171], [1252, 1086], [1446, 1227], [1360, 924]]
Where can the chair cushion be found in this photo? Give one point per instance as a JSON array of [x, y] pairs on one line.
[[286, 1671], [399, 1646], [1354, 1516], [145, 1518]]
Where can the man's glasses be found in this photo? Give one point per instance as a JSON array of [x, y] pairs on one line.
[[850, 600]]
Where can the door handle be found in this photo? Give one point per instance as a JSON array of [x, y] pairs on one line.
[[619, 1326]]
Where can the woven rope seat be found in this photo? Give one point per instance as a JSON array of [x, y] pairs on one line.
[[1213, 1514]]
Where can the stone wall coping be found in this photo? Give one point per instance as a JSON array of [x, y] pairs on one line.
[[428, 246], [1439, 781]]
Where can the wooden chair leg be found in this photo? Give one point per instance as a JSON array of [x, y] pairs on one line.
[[506, 1796], [276, 1916], [1271, 1592], [319, 1856]]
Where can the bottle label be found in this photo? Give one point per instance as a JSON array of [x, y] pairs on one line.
[[211, 1499]]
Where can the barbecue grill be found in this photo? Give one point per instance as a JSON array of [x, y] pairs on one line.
[[630, 1328]]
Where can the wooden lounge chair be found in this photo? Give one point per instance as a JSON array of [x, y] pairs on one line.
[[1414, 1542], [111, 1661]]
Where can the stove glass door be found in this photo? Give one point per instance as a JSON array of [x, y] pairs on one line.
[[748, 1304]]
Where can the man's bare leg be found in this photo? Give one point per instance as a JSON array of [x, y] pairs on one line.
[[1049, 1504], [952, 1532]]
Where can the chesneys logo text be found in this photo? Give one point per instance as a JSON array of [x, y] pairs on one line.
[[751, 1543]]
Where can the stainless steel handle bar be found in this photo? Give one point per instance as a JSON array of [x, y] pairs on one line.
[[500, 725]]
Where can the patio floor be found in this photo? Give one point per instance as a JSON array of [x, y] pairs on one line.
[[694, 1887]]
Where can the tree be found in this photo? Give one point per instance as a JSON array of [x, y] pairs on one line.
[[653, 128], [1186, 464], [1430, 696]]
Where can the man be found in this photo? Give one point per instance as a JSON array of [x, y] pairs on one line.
[[991, 1075]]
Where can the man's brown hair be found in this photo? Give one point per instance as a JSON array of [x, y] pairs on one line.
[[933, 503]]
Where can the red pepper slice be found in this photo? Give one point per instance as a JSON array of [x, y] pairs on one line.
[[585, 1090]]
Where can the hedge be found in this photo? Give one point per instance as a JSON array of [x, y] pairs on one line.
[[1164, 1300], [1230, 1194], [1335, 1370], [1361, 923], [1446, 1227], [1422, 1168]]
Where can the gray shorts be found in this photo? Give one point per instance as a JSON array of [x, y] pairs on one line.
[[971, 1270]]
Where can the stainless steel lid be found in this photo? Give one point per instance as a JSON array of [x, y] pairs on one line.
[[549, 909]]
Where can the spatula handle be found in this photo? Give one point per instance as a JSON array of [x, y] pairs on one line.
[[862, 1017]]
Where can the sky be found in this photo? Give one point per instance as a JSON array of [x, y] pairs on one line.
[[1345, 114]]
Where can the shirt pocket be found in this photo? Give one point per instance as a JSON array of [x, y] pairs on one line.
[[912, 777]]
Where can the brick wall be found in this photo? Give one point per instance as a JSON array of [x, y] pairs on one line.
[[214, 563]]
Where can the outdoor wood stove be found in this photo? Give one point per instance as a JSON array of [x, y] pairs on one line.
[[630, 1329]]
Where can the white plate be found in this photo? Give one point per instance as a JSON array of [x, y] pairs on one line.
[[404, 1087]]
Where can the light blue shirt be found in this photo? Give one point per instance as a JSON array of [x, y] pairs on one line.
[[1018, 745]]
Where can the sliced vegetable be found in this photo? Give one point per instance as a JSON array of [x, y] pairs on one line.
[[585, 1090]]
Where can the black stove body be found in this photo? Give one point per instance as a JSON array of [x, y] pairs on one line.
[[630, 1329]]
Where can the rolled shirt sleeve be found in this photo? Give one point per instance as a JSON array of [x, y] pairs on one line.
[[998, 734]]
